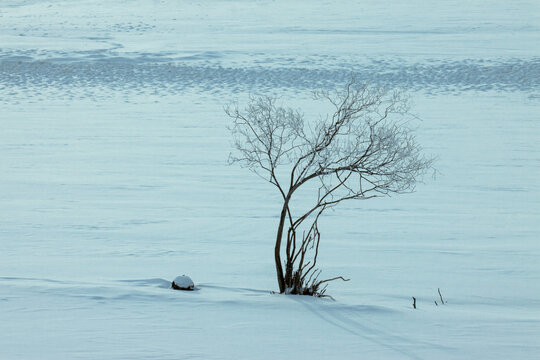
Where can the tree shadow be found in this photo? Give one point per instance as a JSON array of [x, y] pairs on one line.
[[343, 318]]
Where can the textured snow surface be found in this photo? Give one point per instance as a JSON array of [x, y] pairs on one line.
[[114, 180]]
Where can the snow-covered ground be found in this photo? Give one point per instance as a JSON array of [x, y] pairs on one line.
[[114, 180]]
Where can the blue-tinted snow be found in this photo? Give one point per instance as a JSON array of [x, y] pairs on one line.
[[114, 180]]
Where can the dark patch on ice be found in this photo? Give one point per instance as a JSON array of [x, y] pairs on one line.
[[98, 38], [205, 55], [15, 58], [98, 76]]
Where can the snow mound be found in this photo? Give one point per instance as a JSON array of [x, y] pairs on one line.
[[183, 282]]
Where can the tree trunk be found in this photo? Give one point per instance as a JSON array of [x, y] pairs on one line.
[[277, 250]]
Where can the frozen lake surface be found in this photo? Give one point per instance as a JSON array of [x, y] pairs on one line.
[[114, 180]]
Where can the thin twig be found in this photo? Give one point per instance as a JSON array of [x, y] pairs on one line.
[[442, 301]]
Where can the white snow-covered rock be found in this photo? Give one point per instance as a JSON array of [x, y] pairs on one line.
[[183, 282]]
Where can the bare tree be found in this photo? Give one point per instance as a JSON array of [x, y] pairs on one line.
[[365, 149]]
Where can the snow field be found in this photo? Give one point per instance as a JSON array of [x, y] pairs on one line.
[[114, 180]]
